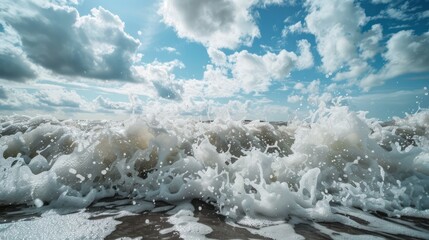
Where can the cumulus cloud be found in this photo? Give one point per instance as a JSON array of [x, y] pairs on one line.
[[161, 76], [60, 98], [215, 84], [313, 92], [218, 84], [18, 99], [106, 104], [247, 72], [405, 50], [255, 72], [346, 57], [60, 40], [406, 53], [305, 59], [216, 56], [214, 23], [157, 71], [369, 45], [340, 20]]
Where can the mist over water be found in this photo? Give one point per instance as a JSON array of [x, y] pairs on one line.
[[334, 162]]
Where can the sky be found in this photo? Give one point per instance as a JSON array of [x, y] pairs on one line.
[[243, 59]]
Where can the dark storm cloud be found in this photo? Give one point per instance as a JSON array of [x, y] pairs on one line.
[[3, 94], [13, 62], [14, 67]]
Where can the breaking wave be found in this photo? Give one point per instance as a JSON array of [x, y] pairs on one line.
[[335, 159]]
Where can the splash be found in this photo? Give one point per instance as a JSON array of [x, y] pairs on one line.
[[309, 169]]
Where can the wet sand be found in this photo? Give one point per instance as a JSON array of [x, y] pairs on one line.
[[137, 226], [148, 225]]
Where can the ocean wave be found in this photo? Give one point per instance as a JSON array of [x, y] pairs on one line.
[[335, 157]]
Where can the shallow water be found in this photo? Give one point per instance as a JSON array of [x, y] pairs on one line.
[[331, 175]]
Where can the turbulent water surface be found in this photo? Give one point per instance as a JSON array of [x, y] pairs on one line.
[[336, 174]]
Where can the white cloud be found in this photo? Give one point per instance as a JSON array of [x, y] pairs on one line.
[[228, 75], [60, 40], [216, 56], [314, 93], [294, 28], [161, 76], [232, 110], [396, 14], [58, 101], [340, 20], [255, 72], [269, 2], [406, 53], [294, 98], [214, 23], [369, 45], [405, 50], [104, 103], [313, 87], [305, 60], [298, 86], [21, 100], [343, 46], [402, 12], [17, 99], [218, 83], [60, 98], [170, 50], [357, 68], [157, 71], [215, 84]]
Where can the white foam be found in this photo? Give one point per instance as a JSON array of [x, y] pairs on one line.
[[187, 225], [51, 225], [254, 169], [277, 232]]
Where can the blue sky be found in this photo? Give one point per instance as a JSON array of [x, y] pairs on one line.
[[253, 59]]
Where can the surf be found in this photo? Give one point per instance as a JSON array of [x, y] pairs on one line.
[[335, 165]]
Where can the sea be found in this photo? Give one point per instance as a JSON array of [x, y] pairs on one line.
[[333, 174]]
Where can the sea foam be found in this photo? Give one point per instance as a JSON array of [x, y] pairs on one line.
[[309, 168]]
